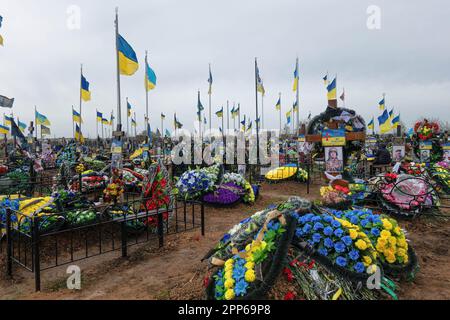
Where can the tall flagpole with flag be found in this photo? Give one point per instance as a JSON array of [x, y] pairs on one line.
[[119, 112], [257, 84], [81, 94], [297, 90], [73, 123], [210, 81], [146, 98]]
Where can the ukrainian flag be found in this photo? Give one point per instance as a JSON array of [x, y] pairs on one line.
[[85, 93], [133, 123], [4, 129], [278, 106], [150, 78], [105, 122], [128, 62], [163, 116], [76, 117], [296, 78], [22, 126], [78, 135], [7, 121], [385, 125], [288, 116], [99, 117], [129, 109], [371, 125], [295, 107], [250, 126], [243, 123], [381, 104], [219, 113], [41, 119], [396, 122], [332, 90], [325, 80], [233, 113]]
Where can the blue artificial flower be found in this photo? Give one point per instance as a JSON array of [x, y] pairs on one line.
[[328, 243], [316, 219], [328, 231], [323, 252], [316, 237], [354, 255], [299, 233], [240, 288], [327, 218], [364, 222], [307, 228], [220, 282], [318, 226], [273, 225], [347, 241], [218, 294], [339, 247], [341, 261], [311, 243], [375, 232], [336, 224], [337, 213], [238, 273], [354, 220], [226, 238], [338, 232], [359, 267]]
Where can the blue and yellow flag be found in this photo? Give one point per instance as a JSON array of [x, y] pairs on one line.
[[129, 109], [233, 112], [4, 129], [133, 123], [7, 121], [295, 106], [331, 88], [76, 117], [85, 93], [278, 106], [45, 130], [325, 80], [396, 122], [219, 113], [105, 122], [41, 119], [150, 78], [296, 78], [22, 125], [128, 62], [210, 81], [250, 126], [78, 135], [99, 117], [288, 116], [243, 123], [163, 116], [1, 38], [385, 125], [371, 125], [381, 104], [260, 84]]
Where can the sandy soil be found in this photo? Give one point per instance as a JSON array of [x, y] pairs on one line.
[[175, 271]]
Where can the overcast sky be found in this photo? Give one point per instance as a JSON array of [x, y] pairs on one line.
[[408, 58]]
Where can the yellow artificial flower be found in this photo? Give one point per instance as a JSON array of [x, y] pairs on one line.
[[228, 268], [250, 265], [372, 269], [353, 234], [401, 252], [397, 230], [250, 276], [387, 224], [229, 284], [402, 243], [229, 294], [229, 262], [367, 260], [361, 244], [385, 234], [392, 241], [229, 274], [391, 258]]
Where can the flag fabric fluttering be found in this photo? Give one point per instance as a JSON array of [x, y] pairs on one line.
[[250, 126], [210, 81], [371, 124], [163, 116], [385, 125], [16, 131], [296, 77], [395, 122], [288, 116], [260, 84], [167, 133], [278, 105], [150, 78], [6, 102], [99, 117], [22, 125], [7, 120], [325, 80], [243, 123], [381, 104], [105, 122], [76, 117], [331, 88], [129, 109], [128, 62], [342, 97], [177, 124], [78, 135], [45, 131], [41, 119], [4, 129], [295, 106], [85, 93], [1, 38], [219, 113]]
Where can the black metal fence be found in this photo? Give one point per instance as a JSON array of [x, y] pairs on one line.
[[44, 242]]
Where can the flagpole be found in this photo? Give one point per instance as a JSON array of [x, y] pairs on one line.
[[239, 117], [280, 114], [228, 115], [257, 111], [223, 129], [262, 110], [35, 121], [119, 114], [73, 124], [210, 94], [298, 94], [81, 97], [199, 117], [147, 139], [135, 125]]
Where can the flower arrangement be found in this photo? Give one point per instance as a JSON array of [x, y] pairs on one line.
[[302, 175], [426, 130], [115, 189], [334, 195], [384, 233], [239, 180], [441, 173], [343, 244], [193, 184], [235, 279], [413, 169], [225, 194], [158, 191]]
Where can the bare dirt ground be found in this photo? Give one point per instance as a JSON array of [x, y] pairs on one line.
[[175, 271]]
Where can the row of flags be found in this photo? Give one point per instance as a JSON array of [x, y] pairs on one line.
[[386, 121]]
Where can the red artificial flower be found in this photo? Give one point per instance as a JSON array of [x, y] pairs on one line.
[[206, 282], [289, 275], [289, 296]]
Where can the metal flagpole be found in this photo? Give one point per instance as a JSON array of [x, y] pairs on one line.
[[81, 100], [298, 95], [280, 115], [257, 111], [118, 158], [262, 110], [73, 123], [210, 94], [239, 117], [135, 125], [228, 115], [147, 139]]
